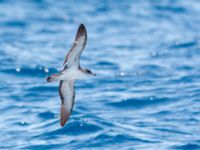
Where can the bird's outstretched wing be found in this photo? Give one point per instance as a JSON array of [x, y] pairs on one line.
[[74, 54], [67, 95]]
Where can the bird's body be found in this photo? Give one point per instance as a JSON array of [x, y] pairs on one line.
[[70, 73]]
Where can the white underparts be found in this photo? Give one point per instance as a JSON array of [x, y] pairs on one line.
[[72, 74]]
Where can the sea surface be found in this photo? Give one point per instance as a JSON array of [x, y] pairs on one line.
[[146, 55]]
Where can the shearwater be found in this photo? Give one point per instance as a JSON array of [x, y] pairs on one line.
[[72, 71]]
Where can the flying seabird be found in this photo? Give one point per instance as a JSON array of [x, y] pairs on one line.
[[70, 73]]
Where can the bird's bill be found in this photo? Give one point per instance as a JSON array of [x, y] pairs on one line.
[[94, 74]]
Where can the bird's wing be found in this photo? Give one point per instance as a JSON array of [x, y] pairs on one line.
[[74, 54], [67, 95]]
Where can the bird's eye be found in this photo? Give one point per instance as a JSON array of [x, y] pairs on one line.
[[88, 71]]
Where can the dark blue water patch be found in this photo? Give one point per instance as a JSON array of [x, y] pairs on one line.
[[40, 4], [11, 36], [184, 44], [37, 96], [34, 94], [186, 79], [107, 65], [193, 121], [195, 96], [2, 1], [41, 88], [84, 85], [102, 9], [167, 7], [75, 128], [15, 24], [46, 115], [133, 103], [11, 108], [162, 113], [188, 146], [184, 68], [6, 61], [79, 110], [110, 139], [7, 147], [104, 124], [171, 131], [15, 97]]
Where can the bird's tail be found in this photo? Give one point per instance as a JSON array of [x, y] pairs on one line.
[[52, 78]]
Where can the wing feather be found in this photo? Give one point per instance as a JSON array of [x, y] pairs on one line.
[[67, 95], [78, 46]]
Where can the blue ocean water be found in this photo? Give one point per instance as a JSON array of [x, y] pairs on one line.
[[146, 55]]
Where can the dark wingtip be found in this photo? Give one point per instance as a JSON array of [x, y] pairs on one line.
[[81, 29], [64, 115], [49, 79], [81, 25], [62, 124]]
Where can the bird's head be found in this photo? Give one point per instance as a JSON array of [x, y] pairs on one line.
[[89, 72]]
